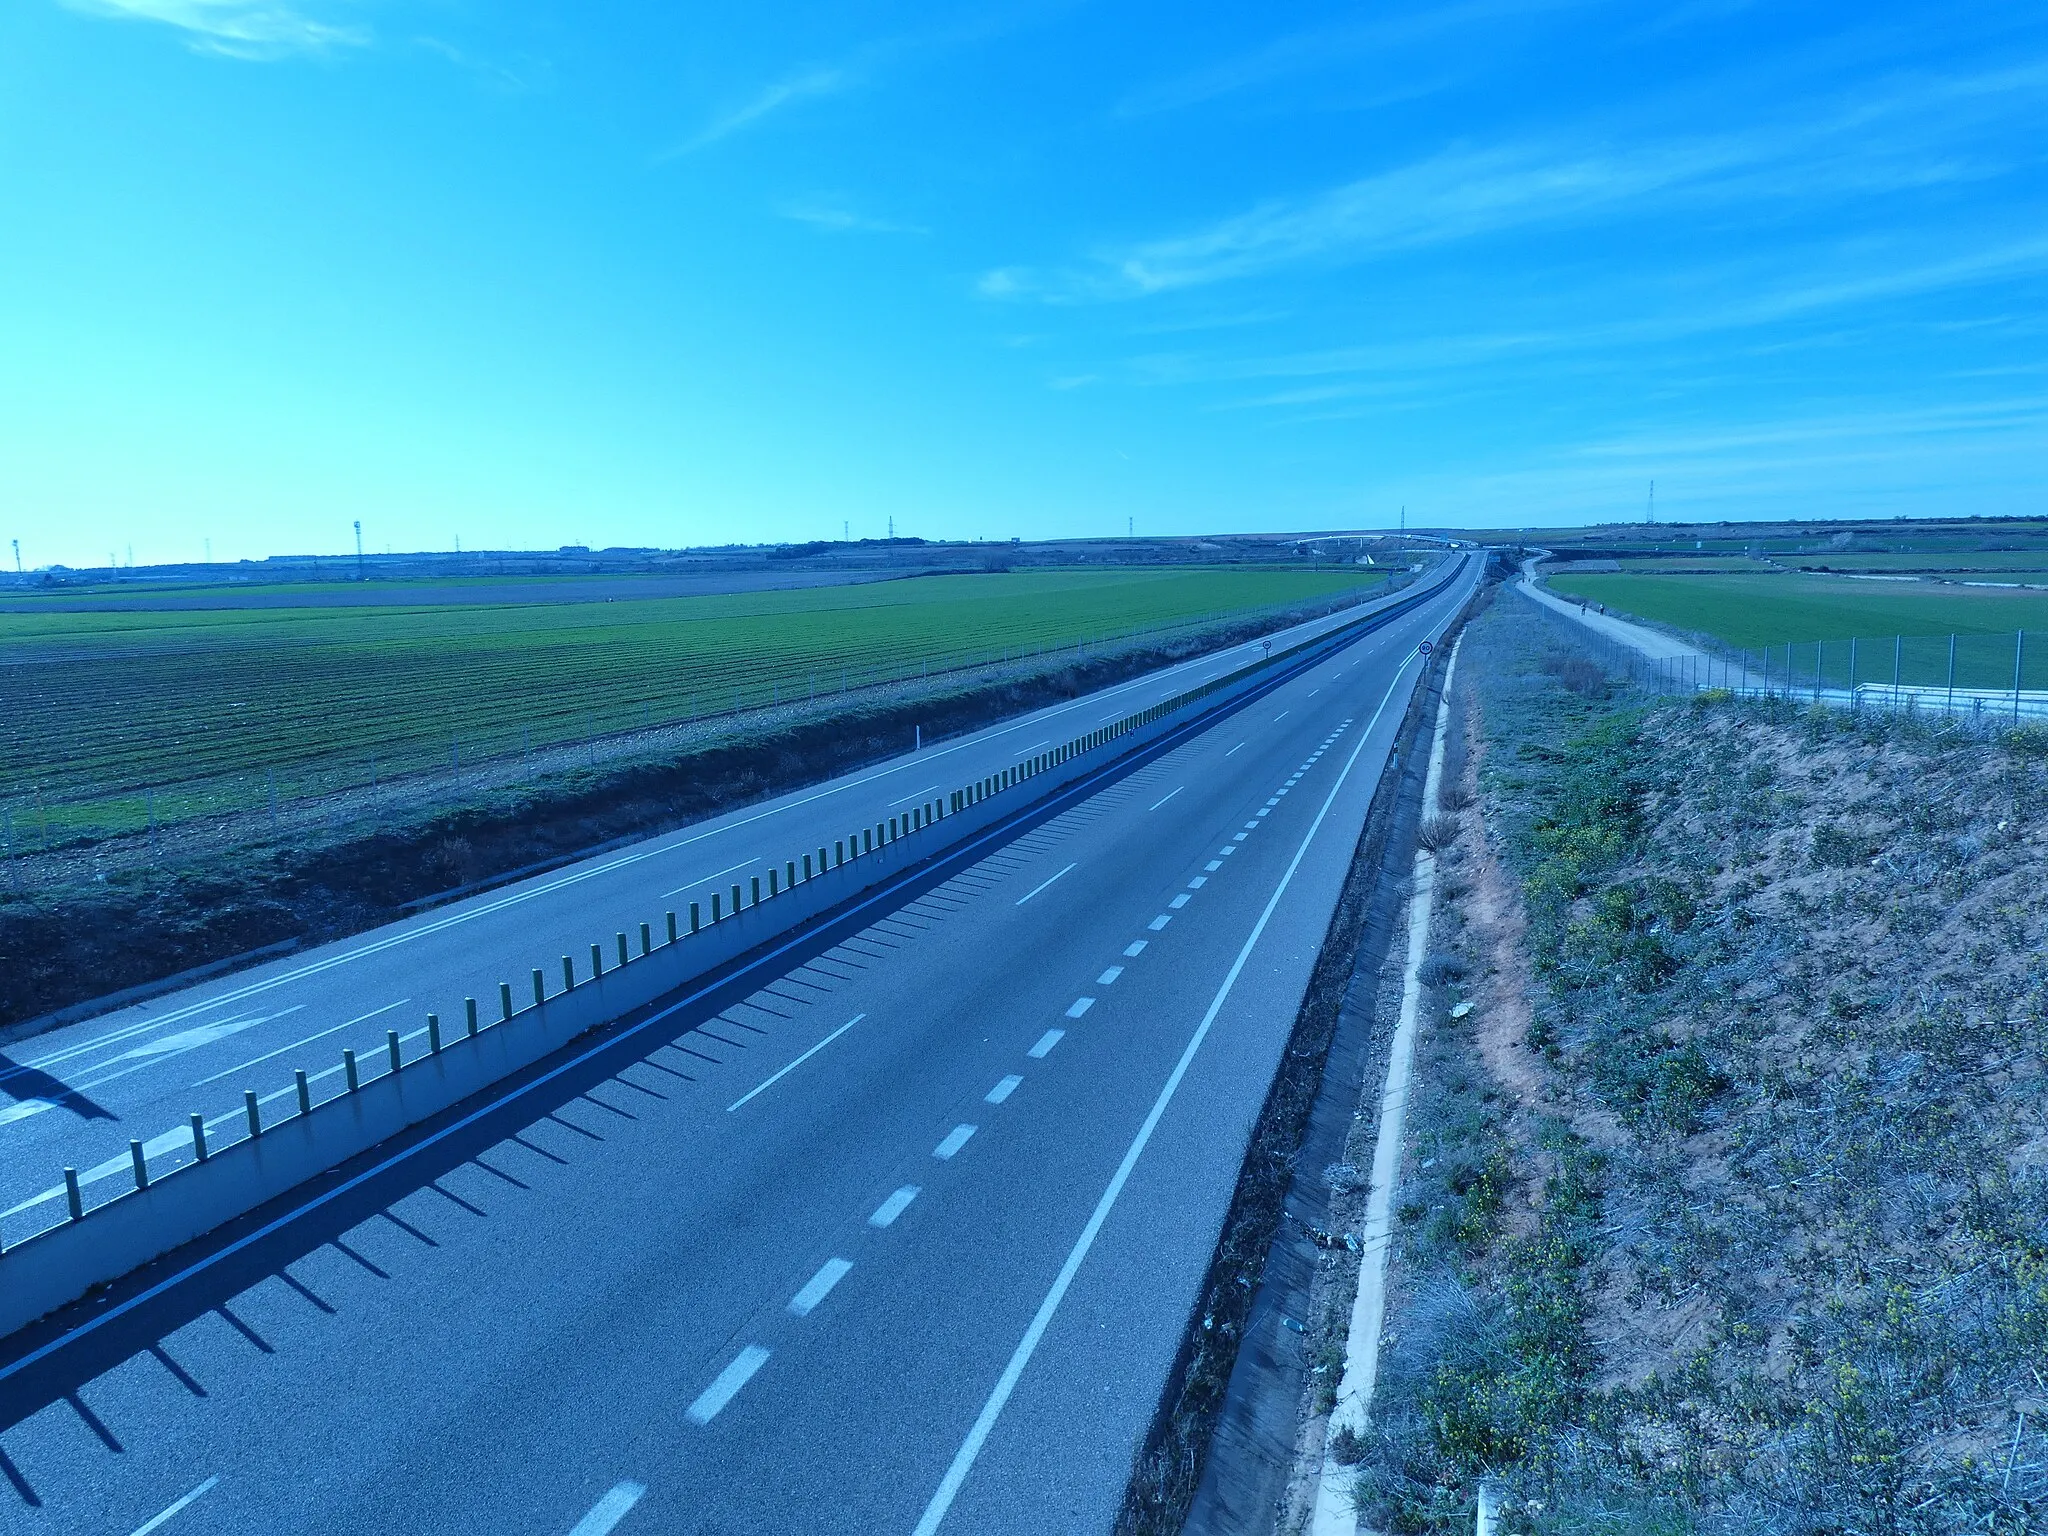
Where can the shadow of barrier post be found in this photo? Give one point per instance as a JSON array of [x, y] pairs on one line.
[[163, 1212]]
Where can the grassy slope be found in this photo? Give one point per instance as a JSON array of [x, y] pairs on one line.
[[1742, 1229], [201, 706]]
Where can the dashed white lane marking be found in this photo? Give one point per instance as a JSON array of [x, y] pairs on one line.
[[1163, 799], [1046, 1042], [894, 1206], [1226, 852], [1198, 882], [609, 1510], [916, 793], [1237, 838], [743, 863], [807, 1055], [1214, 864], [1108, 977], [1179, 901], [819, 1286], [1004, 1089], [970, 1448], [1265, 810], [1079, 1006], [1273, 802], [956, 1138], [1252, 825], [1041, 886], [1282, 716], [155, 1522], [1238, 748], [1134, 949], [1160, 921], [727, 1386]]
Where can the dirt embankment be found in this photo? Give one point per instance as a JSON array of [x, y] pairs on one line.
[[1726, 1203]]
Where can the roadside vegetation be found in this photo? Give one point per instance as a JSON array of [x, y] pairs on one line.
[[1725, 1206]]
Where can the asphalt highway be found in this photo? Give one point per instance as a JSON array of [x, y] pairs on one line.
[[76, 1096], [896, 1227]]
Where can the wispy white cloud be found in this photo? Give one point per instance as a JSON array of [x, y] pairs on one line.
[[805, 85], [1340, 47], [834, 214], [1921, 133], [242, 29]]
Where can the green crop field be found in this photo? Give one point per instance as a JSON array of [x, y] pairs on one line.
[[117, 718], [1752, 611], [1843, 630]]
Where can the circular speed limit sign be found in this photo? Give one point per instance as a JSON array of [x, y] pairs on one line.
[[1425, 648]]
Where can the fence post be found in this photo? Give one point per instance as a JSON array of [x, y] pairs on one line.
[[1898, 650], [1852, 674], [2019, 650], [1951, 674]]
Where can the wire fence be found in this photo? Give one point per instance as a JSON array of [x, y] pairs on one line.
[[1984, 680]]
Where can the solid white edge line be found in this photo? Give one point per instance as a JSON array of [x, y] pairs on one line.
[[609, 1510], [977, 1436], [157, 1520], [1041, 886], [807, 1055]]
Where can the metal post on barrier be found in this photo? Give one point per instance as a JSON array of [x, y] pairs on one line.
[[788, 872], [469, 1014], [348, 1070], [646, 941], [505, 998], [625, 954], [393, 1050], [735, 901], [305, 1087], [754, 883], [715, 900], [72, 1197], [596, 961], [540, 994], [198, 1138], [141, 1162], [695, 925], [671, 927], [568, 974], [433, 1034], [254, 1111], [838, 852]]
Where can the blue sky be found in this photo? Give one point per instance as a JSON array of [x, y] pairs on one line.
[[527, 273]]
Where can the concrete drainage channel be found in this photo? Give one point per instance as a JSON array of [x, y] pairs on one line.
[[1224, 1444], [221, 1180]]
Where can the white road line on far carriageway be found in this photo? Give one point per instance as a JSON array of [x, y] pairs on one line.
[[977, 1436], [426, 928]]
